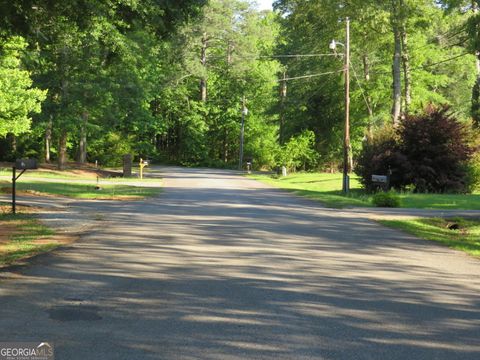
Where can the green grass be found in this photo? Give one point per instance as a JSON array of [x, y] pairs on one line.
[[326, 188], [466, 239], [51, 174], [86, 191], [22, 245], [323, 187], [71, 175]]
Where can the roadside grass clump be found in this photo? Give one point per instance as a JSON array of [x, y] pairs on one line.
[[85, 191], [386, 199], [26, 237], [457, 233]]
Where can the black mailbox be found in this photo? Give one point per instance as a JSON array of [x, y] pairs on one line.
[[26, 164]]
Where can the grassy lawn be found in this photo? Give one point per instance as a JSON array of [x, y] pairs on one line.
[[326, 188], [50, 174], [323, 187], [22, 237], [83, 191], [466, 238]]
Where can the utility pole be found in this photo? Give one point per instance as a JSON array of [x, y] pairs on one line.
[[283, 94], [346, 139], [242, 133]]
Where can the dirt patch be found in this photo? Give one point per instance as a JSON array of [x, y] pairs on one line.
[[7, 231], [62, 239], [80, 170], [7, 209]]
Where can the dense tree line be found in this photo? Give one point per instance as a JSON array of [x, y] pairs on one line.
[[90, 80]]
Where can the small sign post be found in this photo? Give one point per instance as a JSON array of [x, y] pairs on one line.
[[20, 164]]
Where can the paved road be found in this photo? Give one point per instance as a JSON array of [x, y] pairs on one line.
[[223, 267]]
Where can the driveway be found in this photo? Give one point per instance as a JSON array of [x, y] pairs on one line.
[[223, 267]]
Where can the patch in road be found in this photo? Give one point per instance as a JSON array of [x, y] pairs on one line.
[[75, 313]]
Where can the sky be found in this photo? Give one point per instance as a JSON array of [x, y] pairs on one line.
[[265, 4]]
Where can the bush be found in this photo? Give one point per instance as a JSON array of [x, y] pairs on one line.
[[380, 156], [386, 199], [473, 173], [430, 151], [438, 147], [299, 153], [110, 149]]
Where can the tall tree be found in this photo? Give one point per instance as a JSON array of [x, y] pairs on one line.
[[18, 99]]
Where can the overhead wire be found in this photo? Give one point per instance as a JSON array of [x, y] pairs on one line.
[[361, 89], [310, 76]]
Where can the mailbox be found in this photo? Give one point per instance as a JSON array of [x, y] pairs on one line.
[[382, 179], [26, 164]]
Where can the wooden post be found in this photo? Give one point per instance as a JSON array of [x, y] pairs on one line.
[[14, 190], [346, 139]]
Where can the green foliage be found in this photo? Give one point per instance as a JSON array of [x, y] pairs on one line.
[[430, 151], [380, 155], [109, 150], [299, 153], [133, 68], [473, 173], [386, 199], [17, 97], [437, 148]]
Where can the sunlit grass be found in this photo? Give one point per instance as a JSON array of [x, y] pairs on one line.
[[466, 238], [74, 175], [326, 188], [22, 243], [85, 191]]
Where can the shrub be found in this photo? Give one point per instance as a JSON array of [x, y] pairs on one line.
[[473, 173], [386, 199], [431, 151], [438, 148], [110, 149], [299, 153], [380, 156]]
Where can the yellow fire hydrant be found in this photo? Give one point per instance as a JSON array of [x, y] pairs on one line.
[[142, 164]]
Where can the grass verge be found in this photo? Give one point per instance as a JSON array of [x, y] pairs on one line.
[[22, 237], [466, 238], [326, 188], [83, 191]]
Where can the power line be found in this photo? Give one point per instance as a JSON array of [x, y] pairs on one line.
[[421, 67], [440, 62], [282, 56], [361, 89], [296, 55], [310, 76]]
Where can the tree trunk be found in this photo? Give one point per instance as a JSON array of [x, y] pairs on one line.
[[225, 146], [406, 64], [48, 140], [397, 63], [475, 109], [203, 80], [368, 98], [82, 153], [62, 150], [13, 142]]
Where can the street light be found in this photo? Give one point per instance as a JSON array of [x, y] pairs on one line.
[[346, 138], [242, 133]]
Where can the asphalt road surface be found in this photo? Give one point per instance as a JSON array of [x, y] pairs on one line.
[[223, 267]]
